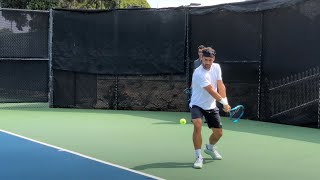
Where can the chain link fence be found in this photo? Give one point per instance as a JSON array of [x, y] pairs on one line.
[[120, 92], [24, 74], [23, 56]]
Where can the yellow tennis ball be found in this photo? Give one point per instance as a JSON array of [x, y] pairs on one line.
[[183, 121]]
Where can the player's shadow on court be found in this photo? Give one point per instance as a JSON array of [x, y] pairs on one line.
[[168, 165]]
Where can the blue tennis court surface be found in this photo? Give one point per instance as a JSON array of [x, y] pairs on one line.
[[23, 158]]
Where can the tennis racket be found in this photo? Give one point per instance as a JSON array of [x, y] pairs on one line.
[[236, 113]]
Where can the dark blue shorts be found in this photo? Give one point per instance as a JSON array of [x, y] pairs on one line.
[[212, 116]]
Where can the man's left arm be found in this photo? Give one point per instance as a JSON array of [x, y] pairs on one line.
[[223, 93]]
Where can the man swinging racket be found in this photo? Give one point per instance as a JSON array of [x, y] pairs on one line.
[[207, 88]]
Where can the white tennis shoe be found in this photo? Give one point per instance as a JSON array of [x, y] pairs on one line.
[[213, 153], [198, 164]]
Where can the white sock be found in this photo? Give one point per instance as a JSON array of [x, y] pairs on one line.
[[210, 146], [198, 153]]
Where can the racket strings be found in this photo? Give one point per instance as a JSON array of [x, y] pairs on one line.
[[233, 112], [236, 113]]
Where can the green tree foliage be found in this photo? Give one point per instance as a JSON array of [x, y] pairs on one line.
[[17, 4], [74, 4], [42, 4], [98, 4], [138, 3]]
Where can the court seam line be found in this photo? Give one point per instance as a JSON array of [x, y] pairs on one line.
[[81, 155]]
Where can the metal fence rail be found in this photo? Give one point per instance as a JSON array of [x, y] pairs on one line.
[[291, 96]]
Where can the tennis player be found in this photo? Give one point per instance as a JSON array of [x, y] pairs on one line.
[[207, 88]]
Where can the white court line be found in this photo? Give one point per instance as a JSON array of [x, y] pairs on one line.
[[82, 155]]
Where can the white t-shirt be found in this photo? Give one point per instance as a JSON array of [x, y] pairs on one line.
[[200, 79]]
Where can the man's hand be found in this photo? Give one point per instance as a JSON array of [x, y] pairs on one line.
[[226, 108]]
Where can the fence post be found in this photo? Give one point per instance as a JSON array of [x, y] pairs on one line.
[[187, 56], [51, 89], [318, 73]]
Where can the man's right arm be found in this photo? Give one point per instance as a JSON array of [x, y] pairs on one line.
[[217, 96], [213, 92]]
